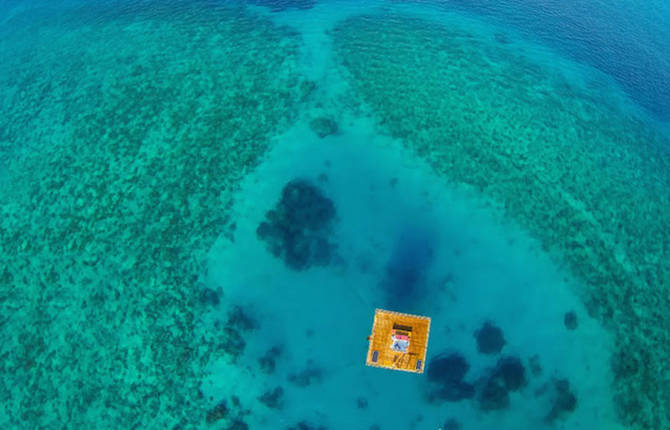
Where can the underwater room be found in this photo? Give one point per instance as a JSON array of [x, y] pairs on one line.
[[334, 215]]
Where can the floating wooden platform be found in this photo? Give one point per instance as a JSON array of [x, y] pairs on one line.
[[398, 341]]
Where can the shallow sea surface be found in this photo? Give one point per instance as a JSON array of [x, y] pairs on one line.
[[202, 203]]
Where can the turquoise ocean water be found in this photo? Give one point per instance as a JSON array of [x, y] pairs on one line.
[[202, 203]]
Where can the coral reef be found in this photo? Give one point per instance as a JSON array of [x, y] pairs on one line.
[[132, 148], [297, 229]]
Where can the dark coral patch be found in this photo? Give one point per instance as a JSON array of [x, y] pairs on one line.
[[490, 339], [564, 402], [446, 368], [323, 126], [304, 205], [304, 425], [210, 297], [237, 424], [501, 38], [451, 424], [307, 376], [218, 412], [535, 366], [282, 5], [511, 372], [240, 320], [453, 392], [494, 396], [305, 89], [232, 413], [570, 320], [273, 398], [232, 342], [268, 361], [297, 229], [508, 375], [447, 371]]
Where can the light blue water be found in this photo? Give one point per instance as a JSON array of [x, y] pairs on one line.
[[474, 162]]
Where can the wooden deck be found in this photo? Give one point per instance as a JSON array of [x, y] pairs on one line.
[[387, 324]]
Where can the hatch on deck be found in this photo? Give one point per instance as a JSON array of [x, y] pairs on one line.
[[398, 341]]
